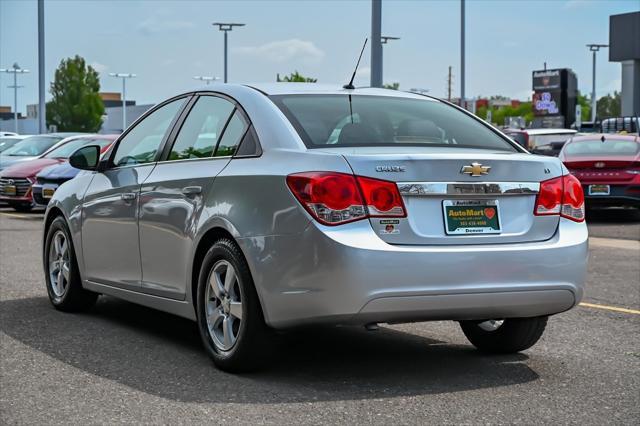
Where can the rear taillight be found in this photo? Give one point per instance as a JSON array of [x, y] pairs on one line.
[[562, 195], [382, 197], [336, 198]]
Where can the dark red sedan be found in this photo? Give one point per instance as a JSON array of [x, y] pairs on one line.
[[608, 166]]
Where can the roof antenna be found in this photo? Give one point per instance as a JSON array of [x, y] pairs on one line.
[[350, 85]]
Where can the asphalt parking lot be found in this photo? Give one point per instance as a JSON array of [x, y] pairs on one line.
[[123, 363]]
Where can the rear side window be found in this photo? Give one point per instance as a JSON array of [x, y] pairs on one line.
[[364, 120], [202, 128], [232, 136]]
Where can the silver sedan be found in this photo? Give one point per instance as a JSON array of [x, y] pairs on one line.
[[254, 208]]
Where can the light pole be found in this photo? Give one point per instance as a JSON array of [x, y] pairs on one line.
[[376, 43], [594, 48], [226, 27], [462, 52], [124, 77], [15, 70], [41, 103], [206, 78]]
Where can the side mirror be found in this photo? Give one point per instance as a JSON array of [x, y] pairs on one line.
[[85, 158]]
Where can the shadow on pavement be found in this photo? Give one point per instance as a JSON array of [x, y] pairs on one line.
[[161, 354], [613, 216]]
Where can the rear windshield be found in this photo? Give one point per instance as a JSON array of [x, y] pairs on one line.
[[32, 146], [597, 147], [363, 120], [540, 140]]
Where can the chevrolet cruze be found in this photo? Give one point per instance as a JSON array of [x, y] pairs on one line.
[[254, 208]]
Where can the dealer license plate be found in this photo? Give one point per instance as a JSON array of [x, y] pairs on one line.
[[471, 217], [599, 189], [9, 190]]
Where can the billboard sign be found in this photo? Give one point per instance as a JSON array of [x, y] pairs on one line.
[[547, 103], [546, 80]]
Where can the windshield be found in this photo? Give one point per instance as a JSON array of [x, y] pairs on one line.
[[6, 143], [363, 120], [70, 147], [32, 146], [598, 148]]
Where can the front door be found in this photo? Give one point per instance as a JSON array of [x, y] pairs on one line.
[[110, 242], [172, 197]]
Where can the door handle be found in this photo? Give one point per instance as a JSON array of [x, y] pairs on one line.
[[192, 190], [128, 196]]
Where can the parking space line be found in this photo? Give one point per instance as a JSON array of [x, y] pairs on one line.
[[19, 216], [610, 308]]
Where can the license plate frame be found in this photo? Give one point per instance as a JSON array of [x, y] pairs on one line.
[[474, 217], [606, 189], [10, 190]]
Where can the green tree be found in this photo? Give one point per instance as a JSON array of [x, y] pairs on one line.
[[392, 86], [609, 106], [76, 105], [295, 77], [584, 103]]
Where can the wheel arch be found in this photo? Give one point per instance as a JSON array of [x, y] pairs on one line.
[[208, 238]]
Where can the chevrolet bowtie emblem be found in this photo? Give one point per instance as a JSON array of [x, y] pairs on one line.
[[475, 169]]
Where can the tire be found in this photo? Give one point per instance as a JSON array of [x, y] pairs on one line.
[[234, 344], [64, 289], [22, 208], [513, 335]]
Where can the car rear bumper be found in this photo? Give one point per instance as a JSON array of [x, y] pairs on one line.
[[348, 275], [619, 196]]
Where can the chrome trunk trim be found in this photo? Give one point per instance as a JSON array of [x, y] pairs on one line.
[[467, 188]]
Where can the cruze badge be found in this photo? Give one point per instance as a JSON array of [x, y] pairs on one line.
[[390, 169], [475, 169]]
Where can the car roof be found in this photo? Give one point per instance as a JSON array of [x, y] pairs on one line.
[[551, 131], [270, 89]]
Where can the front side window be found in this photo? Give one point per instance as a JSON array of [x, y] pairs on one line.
[[141, 144], [201, 129], [364, 120]]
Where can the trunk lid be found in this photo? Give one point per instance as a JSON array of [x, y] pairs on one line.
[[602, 169], [430, 179]]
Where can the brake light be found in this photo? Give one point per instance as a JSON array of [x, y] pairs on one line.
[[336, 198], [562, 195], [382, 197]]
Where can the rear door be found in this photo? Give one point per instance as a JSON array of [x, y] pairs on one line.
[[172, 195], [445, 183]]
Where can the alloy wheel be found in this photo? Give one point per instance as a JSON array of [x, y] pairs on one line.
[[59, 263], [224, 307], [490, 325]]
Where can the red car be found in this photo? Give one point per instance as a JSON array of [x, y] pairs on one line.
[[608, 166], [16, 180]]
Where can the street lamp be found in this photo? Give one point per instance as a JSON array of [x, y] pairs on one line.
[[594, 48], [226, 27], [385, 40], [15, 70], [206, 78], [124, 77]]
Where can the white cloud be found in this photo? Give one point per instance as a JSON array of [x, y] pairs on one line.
[[98, 66], [157, 24], [284, 50]]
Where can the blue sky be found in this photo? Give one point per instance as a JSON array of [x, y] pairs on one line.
[[166, 43]]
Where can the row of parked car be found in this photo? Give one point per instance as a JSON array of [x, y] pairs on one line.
[[33, 167], [607, 164]]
